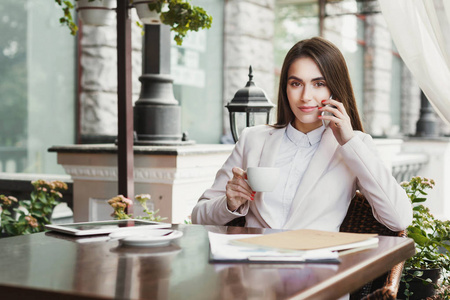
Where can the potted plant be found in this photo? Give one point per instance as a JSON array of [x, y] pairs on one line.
[[30, 216], [180, 15], [148, 11], [120, 203], [92, 12], [97, 12], [426, 272]]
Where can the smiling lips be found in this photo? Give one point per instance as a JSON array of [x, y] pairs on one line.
[[308, 109]]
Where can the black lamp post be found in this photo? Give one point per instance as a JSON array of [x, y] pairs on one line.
[[249, 107]]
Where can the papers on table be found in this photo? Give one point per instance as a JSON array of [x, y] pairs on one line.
[[289, 246], [222, 250]]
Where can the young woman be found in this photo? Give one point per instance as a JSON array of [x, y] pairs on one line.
[[323, 159]]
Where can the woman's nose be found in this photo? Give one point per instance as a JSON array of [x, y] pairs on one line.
[[306, 95]]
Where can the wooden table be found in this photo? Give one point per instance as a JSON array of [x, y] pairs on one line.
[[56, 266]]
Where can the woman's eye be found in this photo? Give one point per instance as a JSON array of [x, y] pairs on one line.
[[320, 83], [295, 84]]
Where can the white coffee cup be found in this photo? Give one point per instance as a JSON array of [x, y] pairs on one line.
[[262, 179]]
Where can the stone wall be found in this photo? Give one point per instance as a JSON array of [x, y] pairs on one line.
[[248, 40]]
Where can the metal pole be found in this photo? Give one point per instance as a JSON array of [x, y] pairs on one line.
[[322, 14], [124, 102]]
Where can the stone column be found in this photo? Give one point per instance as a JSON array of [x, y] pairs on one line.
[[98, 84], [427, 125], [157, 114], [174, 176], [377, 76], [410, 103], [248, 40]]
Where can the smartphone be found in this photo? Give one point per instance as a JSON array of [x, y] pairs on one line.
[[326, 113]]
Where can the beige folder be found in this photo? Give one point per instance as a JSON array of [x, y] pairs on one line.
[[307, 239]]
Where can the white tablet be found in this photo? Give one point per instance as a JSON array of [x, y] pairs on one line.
[[104, 227]]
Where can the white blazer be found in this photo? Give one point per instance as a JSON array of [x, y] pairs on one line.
[[324, 194]]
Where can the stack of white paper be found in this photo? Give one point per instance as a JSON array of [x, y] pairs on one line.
[[223, 250]]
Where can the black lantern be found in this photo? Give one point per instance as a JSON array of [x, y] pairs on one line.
[[249, 107]]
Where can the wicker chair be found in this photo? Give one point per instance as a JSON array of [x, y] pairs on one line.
[[360, 219]]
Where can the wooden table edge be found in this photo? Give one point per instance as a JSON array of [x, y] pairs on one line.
[[36, 293], [377, 268]]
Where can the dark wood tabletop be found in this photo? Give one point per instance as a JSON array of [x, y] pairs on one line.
[[57, 266]]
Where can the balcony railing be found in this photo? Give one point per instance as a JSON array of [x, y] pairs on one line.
[[407, 165]]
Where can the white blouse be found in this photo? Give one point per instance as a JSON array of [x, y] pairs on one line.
[[295, 153]]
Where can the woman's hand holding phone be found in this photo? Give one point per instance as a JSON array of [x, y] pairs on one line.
[[237, 190], [335, 114]]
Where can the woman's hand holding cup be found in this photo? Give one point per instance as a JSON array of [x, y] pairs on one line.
[[237, 190]]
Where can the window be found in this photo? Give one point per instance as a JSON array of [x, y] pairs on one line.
[[37, 86], [297, 20], [197, 71], [345, 29], [294, 21]]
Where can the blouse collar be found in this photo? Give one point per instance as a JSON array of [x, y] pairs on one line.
[[304, 140]]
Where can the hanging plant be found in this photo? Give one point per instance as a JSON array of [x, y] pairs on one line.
[[99, 15], [180, 15], [67, 6]]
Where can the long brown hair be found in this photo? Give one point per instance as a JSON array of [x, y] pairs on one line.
[[332, 65]]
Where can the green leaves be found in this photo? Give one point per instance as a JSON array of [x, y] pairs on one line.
[[182, 17], [446, 246], [419, 238], [419, 200], [68, 4], [43, 198], [67, 19], [156, 6], [422, 192], [416, 208]]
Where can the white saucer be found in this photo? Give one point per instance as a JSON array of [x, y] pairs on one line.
[[146, 237]]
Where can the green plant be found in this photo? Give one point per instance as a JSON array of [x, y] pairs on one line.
[[67, 6], [181, 16], [188, 220], [430, 235], [30, 216], [120, 203]]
